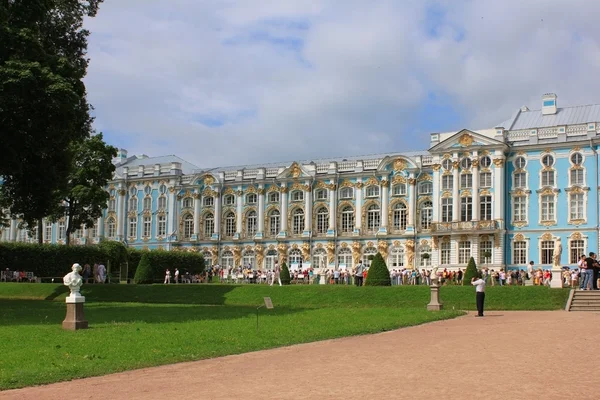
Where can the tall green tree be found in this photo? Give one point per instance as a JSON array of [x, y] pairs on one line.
[[43, 106], [379, 274], [85, 197]]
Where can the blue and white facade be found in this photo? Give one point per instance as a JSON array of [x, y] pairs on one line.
[[502, 195]]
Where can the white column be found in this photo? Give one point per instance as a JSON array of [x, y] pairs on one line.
[[436, 194], [385, 202], [100, 223], [261, 211], [217, 203], [332, 207], [5, 234], [475, 172], [13, 230], [196, 215], [358, 210], [412, 201], [121, 215], [307, 209], [455, 194], [284, 208], [239, 210], [172, 206], [499, 190]]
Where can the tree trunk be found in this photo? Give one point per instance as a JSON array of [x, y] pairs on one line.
[[69, 226], [40, 229]]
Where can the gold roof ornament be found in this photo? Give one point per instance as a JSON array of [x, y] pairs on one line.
[[399, 165], [466, 140]]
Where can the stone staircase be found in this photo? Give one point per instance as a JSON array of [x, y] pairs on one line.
[[584, 300]]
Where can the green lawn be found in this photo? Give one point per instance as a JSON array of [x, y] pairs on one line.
[[139, 326]]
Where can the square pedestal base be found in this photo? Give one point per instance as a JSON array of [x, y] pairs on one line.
[[75, 319]]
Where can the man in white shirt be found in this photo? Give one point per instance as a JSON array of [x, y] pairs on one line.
[[480, 293]]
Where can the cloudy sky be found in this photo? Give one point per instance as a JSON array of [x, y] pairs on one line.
[[229, 82]]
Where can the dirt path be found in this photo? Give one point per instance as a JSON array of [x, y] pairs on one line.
[[505, 355]]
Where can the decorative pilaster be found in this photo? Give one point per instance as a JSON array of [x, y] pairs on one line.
[[332, 209], [385, 203], [455, 193], [436, 195], [499, 191], [261, 215], [100, 228], [196, 234], [239, 214], [284, 208], [412, 203], [475, 172], [358, 210], [172, 206], [307, 211], [13, 230], [217, 203], [121, 215]]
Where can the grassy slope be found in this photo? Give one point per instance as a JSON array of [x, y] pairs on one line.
[[308, 296], [126, 336]]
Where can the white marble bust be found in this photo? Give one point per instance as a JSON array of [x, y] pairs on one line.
[[73, 280]]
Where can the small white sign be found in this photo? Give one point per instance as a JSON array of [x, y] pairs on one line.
[[268, 303]]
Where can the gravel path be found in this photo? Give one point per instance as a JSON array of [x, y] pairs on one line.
[[505, 355]]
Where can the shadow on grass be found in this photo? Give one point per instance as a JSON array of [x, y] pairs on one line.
[[58, 291], [39, 312]]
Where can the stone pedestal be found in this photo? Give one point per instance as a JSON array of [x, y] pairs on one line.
[[435, 304], [322, 279], [529, 282], [557, 279], [75, 318]]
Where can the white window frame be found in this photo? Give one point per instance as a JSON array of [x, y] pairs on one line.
[[519, 253], [485, 179], [251, 198], [445, 253], [209, 224], [486, 245], [347, 219], [399, 189], [208, 201], [446, 208], [188, 226], [519, 209], [546, 252], [425, 188], [161, 225], [274, 222], [399, 217], [466, 181], [147, 226], [230, 223], [251, 223], [373, 218], [372, 191], [297, 195], [322, 220], [426, 211], [298, 221], [485, 208], [346, 193], [447, 182], [133, 223], [547, 207], [321, 194], [274, 197], [464, 251], [577, 209], [162, 202], [576, 249]]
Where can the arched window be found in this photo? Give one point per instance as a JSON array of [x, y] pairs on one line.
[[62, 230], [270, 259], [295, 256], [274, 222], [207, 255], [368, 254], [147, 203], [251, 223], [249, 259], [274, 197], [297, 195], [426, 214], [347, 219], [162, 202], [112, 205], [319, 258], [251, 198], [230, 224], [425, 188], [162, 189], [188, 226], [346, 193], [372, 191], [147, 226], [321, 194], [188, 202], [322, 220], [133, 204], [425, 256], [396, 258], [400, 217], [133, 227], [161, 226], [399, 189], [227, 259], [111, 226], [373, 218], [229, 200], [298, 221], [209, 225], [133, 191], [209, 201], [345, 258]]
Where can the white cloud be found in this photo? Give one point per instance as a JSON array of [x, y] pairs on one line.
[[305, 79]]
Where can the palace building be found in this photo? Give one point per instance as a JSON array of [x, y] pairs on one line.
[[502, 195]]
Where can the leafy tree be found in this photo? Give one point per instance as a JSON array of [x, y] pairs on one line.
[[471, 271], [43, 106], [85, 197], [285, 274], [379, 274]]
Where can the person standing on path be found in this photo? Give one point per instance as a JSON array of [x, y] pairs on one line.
[[479, 293], [167, 277], [176, 275], [276, 274], [359, 274]]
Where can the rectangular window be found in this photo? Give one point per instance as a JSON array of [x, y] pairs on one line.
[[464, 252], [577, 250], [445, 253], [466, 209], [485, 208], [520, 253], [347, 220], [162, 203], [162, 225], [519, 209], [520, 180], [577, 206], [548, 178], [577, 177], [548, 208], [485, 179], [61, 230], [147, 226], [133, 227], [447, 210], [447, 182], [485, 248], [48, 232], [547, 250], [466, 181]]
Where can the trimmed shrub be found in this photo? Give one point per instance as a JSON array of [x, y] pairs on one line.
[[144, 273], [160, 260], [471, 271], [285, 274], [133, 259], [378, 274]]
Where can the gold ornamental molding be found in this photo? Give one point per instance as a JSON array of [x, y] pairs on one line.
[[436, 167], [372, 181], [399, 165], [208, 180], [331, 252], [346, 183], [576, 236], [356, 251], [466, 140], [382, 248], [398, 179], [425, 177], [519, 237], [273, 188], [547, 236], [295, 170], [499, 162]]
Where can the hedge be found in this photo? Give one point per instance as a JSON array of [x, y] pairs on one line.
[[153, 265], [284, 274], [379, 274], [471, 271]]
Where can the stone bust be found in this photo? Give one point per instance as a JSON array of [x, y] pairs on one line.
[[73, 280]]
